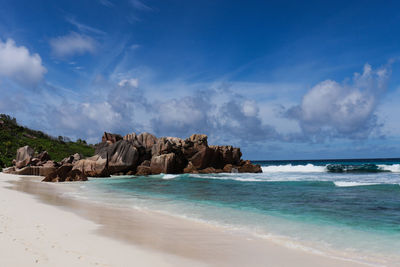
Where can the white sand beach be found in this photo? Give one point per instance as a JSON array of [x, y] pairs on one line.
[[39, 228]]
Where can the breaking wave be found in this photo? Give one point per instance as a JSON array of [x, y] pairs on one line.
[[350, 184], [294, 168], [335, 168]]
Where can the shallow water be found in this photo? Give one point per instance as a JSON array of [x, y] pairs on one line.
[[298, 203]]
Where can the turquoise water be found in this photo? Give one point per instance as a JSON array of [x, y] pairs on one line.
[[352, 207]]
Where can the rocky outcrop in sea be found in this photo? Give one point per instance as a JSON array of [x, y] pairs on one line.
[[133, 154]]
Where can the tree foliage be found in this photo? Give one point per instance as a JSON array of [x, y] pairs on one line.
[[14, 136]]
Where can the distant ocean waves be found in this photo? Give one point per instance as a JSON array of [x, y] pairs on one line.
[[337, 168], [348, 205]]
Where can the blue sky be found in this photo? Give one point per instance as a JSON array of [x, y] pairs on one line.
[[280, 79]]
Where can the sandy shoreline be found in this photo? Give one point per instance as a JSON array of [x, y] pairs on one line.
[[44, 229]]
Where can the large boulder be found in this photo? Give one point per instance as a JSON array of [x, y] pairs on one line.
[[247, 166], [59, 175], [75, 175], [96, 166], [110, 138], [43, 157], [122, 157], [227, 154], [24, 156], [130, 137], [65, 173], [199, 139], [166, 145], [190, 168], [147, 140], [47, 168], [166, 163], [144, 168], [119, 157], [28, 170], [143, 171], [9, 170], [203, 158], [71, 159], [194, 144], [143, 143]]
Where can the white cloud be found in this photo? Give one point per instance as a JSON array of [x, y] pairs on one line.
[[72, 44], [140, 5], [129, 82], [250, 108], [341, 109], [17, 63], [83, 27]]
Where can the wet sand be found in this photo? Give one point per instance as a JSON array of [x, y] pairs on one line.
[[103, 236]]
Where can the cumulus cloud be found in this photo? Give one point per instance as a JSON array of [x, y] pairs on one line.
[[17, 63], [241, 120], [332, 109], [224, 116], [183, 116], [72, 44]]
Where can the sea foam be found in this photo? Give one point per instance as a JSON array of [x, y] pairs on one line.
[[391, 168], [350, 184], [294, 168], [170, 176]]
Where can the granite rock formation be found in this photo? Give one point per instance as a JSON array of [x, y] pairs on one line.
[[133, 154]]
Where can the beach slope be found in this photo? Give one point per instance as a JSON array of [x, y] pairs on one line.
[[39, 230]]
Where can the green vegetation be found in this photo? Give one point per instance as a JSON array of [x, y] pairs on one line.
[[14, 136]]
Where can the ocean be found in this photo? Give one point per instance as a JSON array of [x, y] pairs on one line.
[[342, 208]]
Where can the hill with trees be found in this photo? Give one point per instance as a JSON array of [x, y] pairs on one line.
[[14, 136]]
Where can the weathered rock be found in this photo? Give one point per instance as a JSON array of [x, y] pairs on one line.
[[166, 163], [199, 139], [71, 159], [146, 163], [75, 175], [130, 137], [122, 157], [44, 156], [24, 156], [228, 168], [143, 170], [229, 154], [110, 138], [96, 166], [247, 166], [147, 140], [59, 175], [65, 173], [9, 170], [28, 170], [190, 168], [47, 168], [194, 144], [165, 145], [203, 158], [34, 162]]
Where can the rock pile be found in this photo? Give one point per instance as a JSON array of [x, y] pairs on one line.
[[28, 162], [133, 154]]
